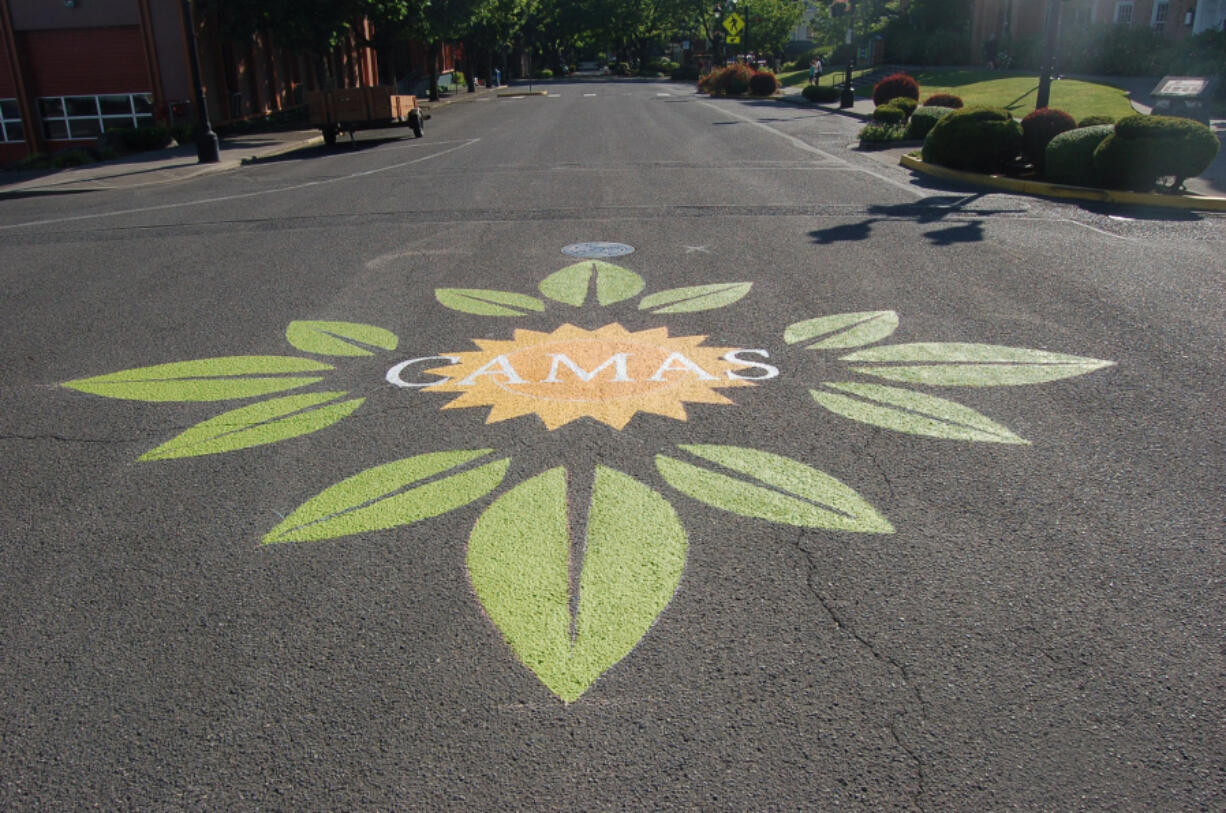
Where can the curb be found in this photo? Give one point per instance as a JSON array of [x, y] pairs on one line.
[[1054, 190], [514, 93], [284, 149]]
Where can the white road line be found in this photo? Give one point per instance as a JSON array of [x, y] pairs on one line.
[[589, 94], [801, 145], [224, 198]]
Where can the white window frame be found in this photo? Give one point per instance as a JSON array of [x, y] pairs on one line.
[[67, 110], [7, 122], [1119, 9], [1162, 11]]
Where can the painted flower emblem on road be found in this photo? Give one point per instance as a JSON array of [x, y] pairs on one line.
[[570, 630]]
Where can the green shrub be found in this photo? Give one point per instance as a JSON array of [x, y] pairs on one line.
[[1069, 157], [1144, 149], [1041, 126], [71, 158], [621, 68], [893, 86], [889, 114], [544, 73], [1094, 121], [880, 133], [943, 100], [457, 78], [183, 134], [820, 93], [763, 83], [924, 119], [139, 139], [976, 139], [904, 103]]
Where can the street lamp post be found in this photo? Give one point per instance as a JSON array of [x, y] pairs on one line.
[[1052, 32], [206, 140], [847, 98]]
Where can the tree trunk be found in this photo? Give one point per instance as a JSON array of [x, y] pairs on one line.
[[432, 56]]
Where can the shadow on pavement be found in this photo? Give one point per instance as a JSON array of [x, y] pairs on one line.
[[929, 210], [343, 146]]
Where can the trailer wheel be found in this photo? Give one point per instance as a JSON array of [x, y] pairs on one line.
[[416, 123], [330, 135]]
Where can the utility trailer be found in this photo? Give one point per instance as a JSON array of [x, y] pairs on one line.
[[352, 109]]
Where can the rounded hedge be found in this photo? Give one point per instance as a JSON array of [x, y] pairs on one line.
[[1040, 127], [924, 119], [904, 103], [763, 83], [975, 139], [1144, 149], [889, 114], [893, 86], [821, 93], [1094, 121], [943, 100], [1069, 157]]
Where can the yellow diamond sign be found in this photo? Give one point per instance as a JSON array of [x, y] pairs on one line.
[[734, 24]]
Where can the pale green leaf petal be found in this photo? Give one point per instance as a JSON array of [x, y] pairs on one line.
[[695, 298], [519, 563], [488, 303], [393, 494], [843, 329], [256, 425], [956, 364], [339, 338], [214, 379], [785, 490], [571, 284], [912, 412]]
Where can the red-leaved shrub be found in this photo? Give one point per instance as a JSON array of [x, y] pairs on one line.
[[893, 86], [943, 100], [1040, 127], [763, 83]]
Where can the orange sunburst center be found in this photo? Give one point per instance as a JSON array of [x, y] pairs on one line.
[[609, 374]]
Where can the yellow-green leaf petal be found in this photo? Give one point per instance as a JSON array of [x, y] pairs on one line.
[[775, 488], [956, 364], [915, 413], [488, 303], [339, 338], [571, 284], [519, 560], [256, 425], [843, 329], [695, 298], [215, 379], [390, 495]]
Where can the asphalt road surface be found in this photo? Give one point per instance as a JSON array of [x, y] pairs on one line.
[[795, 482]]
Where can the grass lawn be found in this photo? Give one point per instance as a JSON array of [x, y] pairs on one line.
[[801, 77], [1017, 92]]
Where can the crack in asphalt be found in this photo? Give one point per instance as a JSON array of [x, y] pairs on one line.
[[882, 657]]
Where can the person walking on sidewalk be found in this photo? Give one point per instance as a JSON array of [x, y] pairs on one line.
[[813, 63]]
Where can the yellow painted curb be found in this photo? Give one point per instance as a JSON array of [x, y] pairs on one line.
[[1054, 190]]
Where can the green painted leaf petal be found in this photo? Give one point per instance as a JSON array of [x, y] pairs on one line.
[[215, 379], [519, 561], [912, 412], [843, 329], [571, 284], [339, 338], [374, 499], [256, 425], [956, 364], [695, 298], [488, 303], [786, 490]]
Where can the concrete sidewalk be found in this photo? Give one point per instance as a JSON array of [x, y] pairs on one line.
[[175, 164]]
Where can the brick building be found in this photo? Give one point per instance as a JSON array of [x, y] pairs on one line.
[[70, 69], [1174, 19]]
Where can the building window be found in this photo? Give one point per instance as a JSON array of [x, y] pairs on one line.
[[68, 118], [1123, 13], [1159, 19], [11, 128]]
